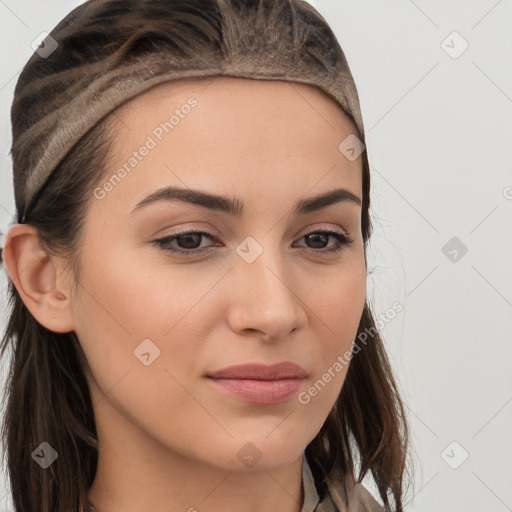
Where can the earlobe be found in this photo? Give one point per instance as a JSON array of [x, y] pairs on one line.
[[35, 274]]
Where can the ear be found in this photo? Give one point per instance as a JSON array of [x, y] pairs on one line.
[[41, 279]]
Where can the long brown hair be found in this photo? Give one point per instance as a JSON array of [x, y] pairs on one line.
[[47, 395]]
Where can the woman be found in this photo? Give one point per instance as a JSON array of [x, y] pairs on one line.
[[241, 370]]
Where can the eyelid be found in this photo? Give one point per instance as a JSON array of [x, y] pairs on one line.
[[308, 229], [185, 230], [324, 226]]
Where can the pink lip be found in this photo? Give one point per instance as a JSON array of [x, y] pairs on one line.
[[259, 383], [284, 370]]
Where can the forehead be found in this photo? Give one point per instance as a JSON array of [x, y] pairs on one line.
[[283, 134], [227, 97]]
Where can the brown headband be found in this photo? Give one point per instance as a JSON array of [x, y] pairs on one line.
[[82, 94]]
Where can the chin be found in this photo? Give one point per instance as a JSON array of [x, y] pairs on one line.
[[252, 454]]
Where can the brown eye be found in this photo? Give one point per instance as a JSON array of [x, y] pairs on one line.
[[188, 241], [319, 239]]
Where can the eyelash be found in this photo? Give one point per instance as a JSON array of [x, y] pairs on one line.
[[343, 239]]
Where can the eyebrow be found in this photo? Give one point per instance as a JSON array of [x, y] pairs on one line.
[[235, 206]]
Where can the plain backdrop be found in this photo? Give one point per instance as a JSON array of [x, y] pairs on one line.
[[435, 85]]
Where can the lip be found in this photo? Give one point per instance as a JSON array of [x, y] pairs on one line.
[[259, 383], [256, 371]]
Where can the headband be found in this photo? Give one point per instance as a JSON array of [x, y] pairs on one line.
[[72, 81]]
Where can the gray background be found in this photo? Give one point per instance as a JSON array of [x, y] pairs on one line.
[[439, 131]]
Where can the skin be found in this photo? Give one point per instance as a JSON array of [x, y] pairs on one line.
[[168, 440]]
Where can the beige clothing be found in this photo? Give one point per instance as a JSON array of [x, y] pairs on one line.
[[359, 498]]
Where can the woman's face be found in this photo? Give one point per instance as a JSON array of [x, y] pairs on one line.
[[154, 323]]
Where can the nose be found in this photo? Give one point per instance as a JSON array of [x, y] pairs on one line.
[[263, 301]]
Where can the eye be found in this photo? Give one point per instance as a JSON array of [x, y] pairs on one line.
[[321, 237], [188, 242], [190, 239]]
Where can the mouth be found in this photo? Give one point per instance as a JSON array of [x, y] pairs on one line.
[[259, 383]]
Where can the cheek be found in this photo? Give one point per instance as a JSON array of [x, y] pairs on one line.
[[141, 298], [133, 314], [130, 303], [335, 314], [339, 303]]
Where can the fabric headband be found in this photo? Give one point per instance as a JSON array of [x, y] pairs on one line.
[[84, 94]]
